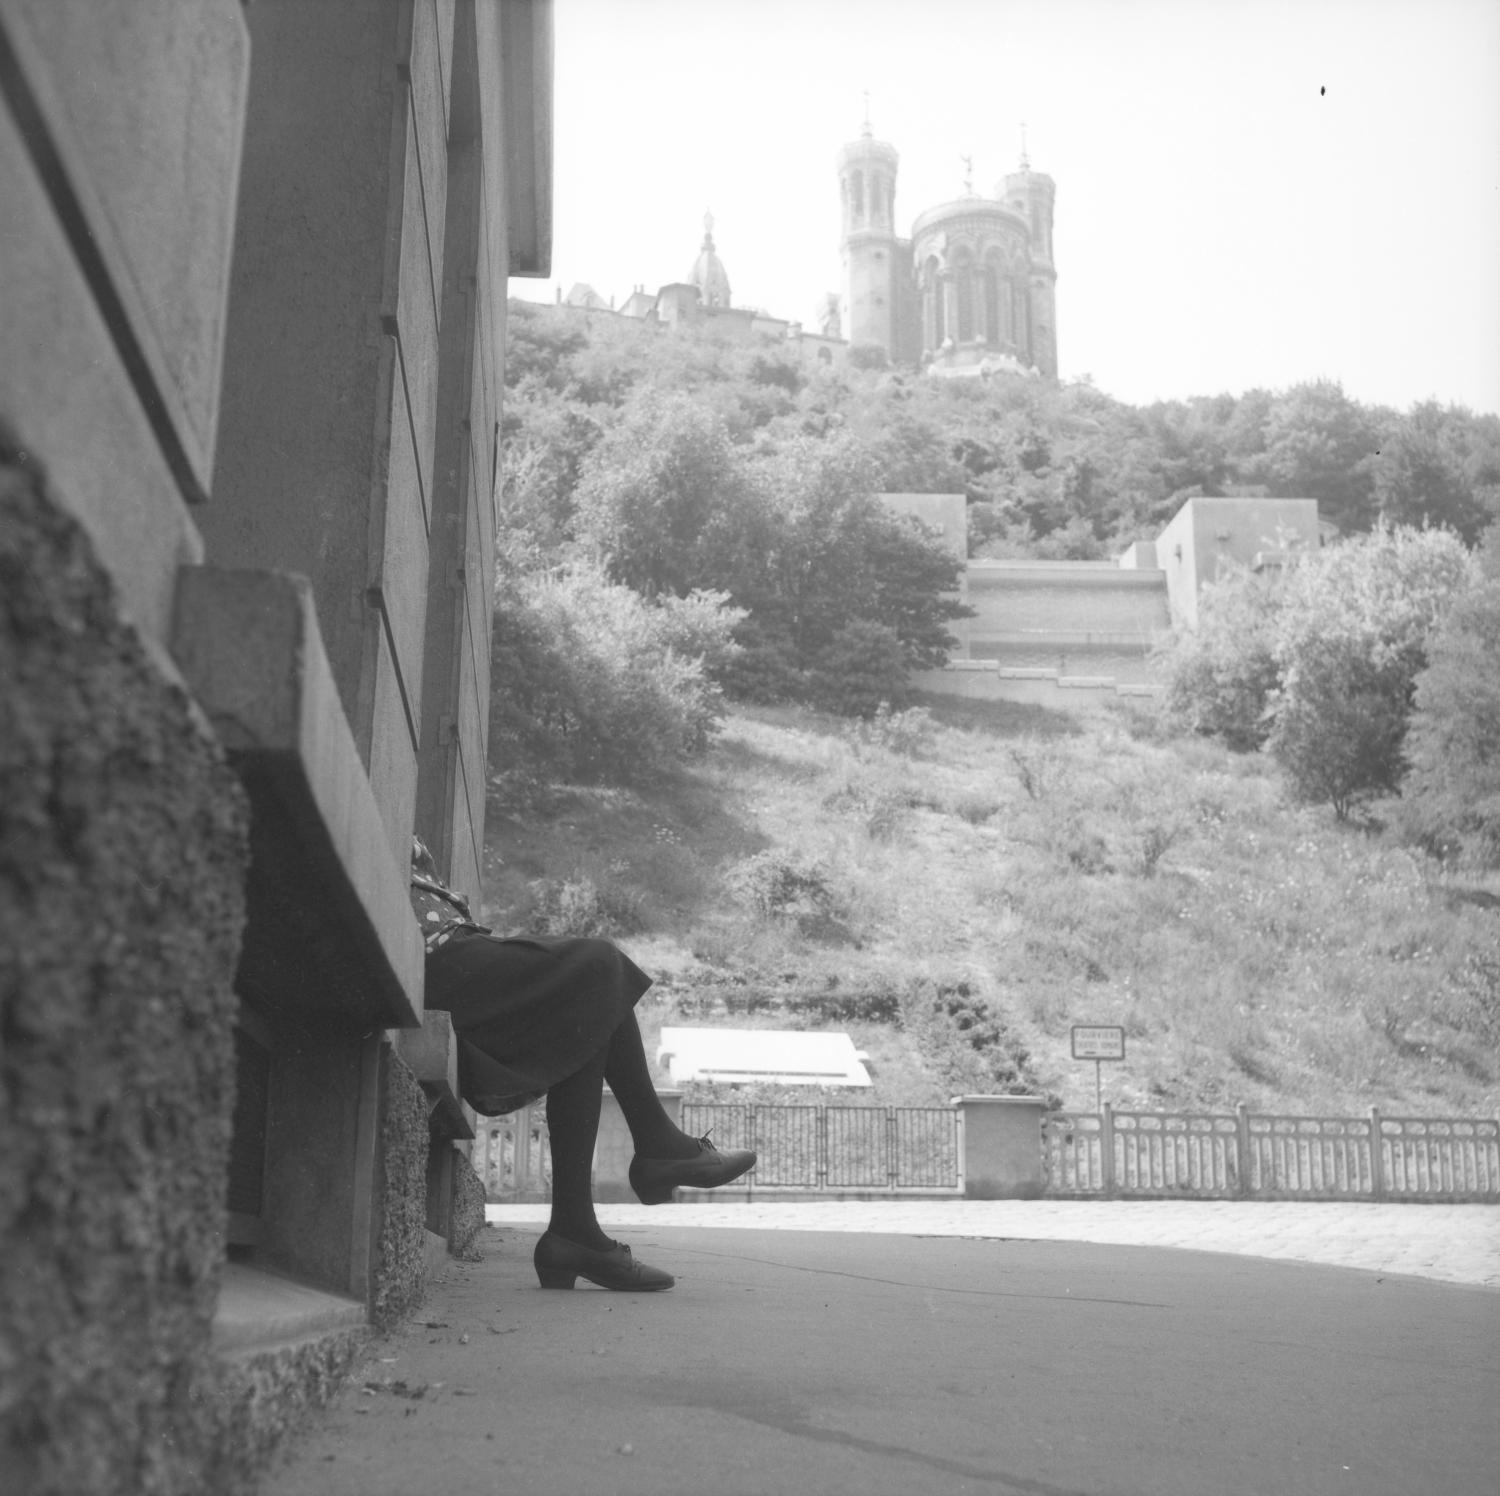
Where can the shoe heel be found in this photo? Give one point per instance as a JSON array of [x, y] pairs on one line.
[[556, 1278]]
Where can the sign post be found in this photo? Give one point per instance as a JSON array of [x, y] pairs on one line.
[[1098, 1042]]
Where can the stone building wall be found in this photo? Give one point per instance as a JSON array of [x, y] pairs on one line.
[[252, 327]]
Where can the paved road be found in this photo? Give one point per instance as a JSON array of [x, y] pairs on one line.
[[821, 1361]]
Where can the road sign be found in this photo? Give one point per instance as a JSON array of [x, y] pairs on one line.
[[1095, 1041], [1098, 1042]]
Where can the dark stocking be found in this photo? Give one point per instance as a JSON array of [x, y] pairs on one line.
[[572, 1126], [652, 1131]]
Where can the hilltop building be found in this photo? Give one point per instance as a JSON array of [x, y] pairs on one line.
[[970, 292]]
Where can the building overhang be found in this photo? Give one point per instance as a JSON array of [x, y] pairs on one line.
[[526, 105]]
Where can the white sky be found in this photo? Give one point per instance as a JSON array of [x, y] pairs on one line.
[[1222, 221]]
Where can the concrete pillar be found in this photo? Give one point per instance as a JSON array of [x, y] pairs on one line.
[[614, 1149], [1002, 1142]]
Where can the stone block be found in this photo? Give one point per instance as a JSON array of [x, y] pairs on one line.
[[151, 173], [391, 750], [431, 1054], [69, 399], [309, 415], [330, 926]]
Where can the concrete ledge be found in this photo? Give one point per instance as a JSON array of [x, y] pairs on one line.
[[1091, 574], [258, 1310], [330, 924]]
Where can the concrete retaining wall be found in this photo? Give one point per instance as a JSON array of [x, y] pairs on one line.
[[122, 859]]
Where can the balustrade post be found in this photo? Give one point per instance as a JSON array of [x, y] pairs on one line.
[[1242, 1149], [1377, 1155], [1107, 1148]]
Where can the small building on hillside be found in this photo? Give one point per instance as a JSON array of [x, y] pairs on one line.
[[1073, 633]]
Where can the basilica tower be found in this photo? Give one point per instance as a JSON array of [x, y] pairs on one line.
[[1031, 194], [867, 185]]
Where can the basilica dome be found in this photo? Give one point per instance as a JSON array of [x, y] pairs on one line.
[[708, 273]]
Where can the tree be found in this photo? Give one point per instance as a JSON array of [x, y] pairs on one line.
[[1350, 643], [1451, 794], [1319, 445], [862, 668], [1427, 468], [658, 493], [836, 557]]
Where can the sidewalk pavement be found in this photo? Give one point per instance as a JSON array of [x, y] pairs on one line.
[[937, 1348], [1449, 1243]]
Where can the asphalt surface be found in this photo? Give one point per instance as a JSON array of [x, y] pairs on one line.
[[931, 1358]]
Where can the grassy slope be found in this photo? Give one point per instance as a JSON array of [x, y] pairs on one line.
[[1069, 874]]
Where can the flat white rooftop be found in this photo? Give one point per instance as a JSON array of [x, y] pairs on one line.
[[784, 1056]]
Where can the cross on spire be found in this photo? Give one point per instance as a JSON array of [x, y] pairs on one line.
[[968, 162], [867, 130], [1025, 162]]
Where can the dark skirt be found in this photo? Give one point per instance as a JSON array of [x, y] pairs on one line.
[[528, 1011]]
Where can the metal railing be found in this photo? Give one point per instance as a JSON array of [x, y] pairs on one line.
[[1247, 1155], [837, 1149], [1114, 1154]]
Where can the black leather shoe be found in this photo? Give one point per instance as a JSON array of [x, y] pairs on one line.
[[654, 1179], [561, 1263]]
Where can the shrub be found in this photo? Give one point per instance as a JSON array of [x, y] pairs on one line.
[[780, 884], [1451, 794], [1350, 642], [965, 1039], [862, 669], [1221, 674], [907, 733], [590, 683], [577, 906]]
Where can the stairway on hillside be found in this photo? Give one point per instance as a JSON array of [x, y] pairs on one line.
[[1080, 619]]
